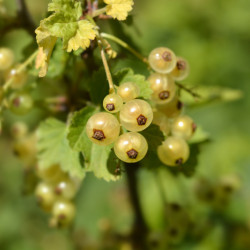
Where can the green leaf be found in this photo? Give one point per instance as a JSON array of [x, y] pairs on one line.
[[99, 162], [154, 136], [64, 23], [99, 87], [53, 148], [58, 61], [127, 75], [77, 137], [199, 136]]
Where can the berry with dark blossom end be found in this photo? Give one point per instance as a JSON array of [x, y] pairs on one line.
[[103, 128], [181, 70], [20, 103], [174, 151], [163, 87], [112, 103], [136, 115], [131, 147], [162, 60]]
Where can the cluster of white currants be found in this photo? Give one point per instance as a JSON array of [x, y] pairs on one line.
[[174, 150], [134, 115], [19, 102], [54, 194]]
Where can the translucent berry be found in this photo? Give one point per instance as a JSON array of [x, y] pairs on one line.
[[18, 79], [64, 212], [181, 69], [112, 103], [103, 128], [136, 115], [183, 126], [162, 60], [162, 121], [174, 151], [131, 147], [66, 188], [6, 58], [45, 195], [163, 86], [52, 174], [171, 109], [128, 91], [20, 103]]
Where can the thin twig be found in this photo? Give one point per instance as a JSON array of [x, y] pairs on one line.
[[190, 91], [125, 45]]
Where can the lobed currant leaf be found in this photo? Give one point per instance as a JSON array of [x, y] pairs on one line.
[[119, 8], [53, 148]]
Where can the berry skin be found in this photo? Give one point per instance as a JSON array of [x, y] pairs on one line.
[[112, 103], [52, 174], [64, 212], [162, 60], [19, 130], [18, 79], [136, 115], [163, 87], [174, 151], [184, 127], [20, 103], [128, 91], [45, 195], [162, 121], [66, 188], [131, 147], [181, 70], [171, 109], [6, 58], [103, 128]]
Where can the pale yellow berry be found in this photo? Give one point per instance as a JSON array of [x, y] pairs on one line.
[[128, 91]]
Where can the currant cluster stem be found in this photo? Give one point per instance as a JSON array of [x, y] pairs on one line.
[[21, 68], [125, 45]]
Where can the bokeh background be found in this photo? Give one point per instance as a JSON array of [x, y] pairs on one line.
[[214, 36]]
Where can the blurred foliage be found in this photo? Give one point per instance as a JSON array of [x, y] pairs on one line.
[[214, 37]]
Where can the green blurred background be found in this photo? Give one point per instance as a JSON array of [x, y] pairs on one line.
[[214, 36]]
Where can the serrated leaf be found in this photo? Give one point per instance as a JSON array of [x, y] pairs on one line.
[[58, 61], [154, 136], [53, 148], [46, 43], [127, 75], [119, 8], [64, 23], [77, 136], [99, 161]]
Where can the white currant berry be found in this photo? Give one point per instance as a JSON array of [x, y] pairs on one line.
[[171, 109], [181, 69], [136, 115], [174, 151], [128, 91], [52, 174], [103, 128], [164, 88], [162, 60], [18, 79], [20, 103], [183, 126], [6, 58], [64, 212], [131, 147], [112, 103], [162, 121], [66, 188], [45, 195]]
